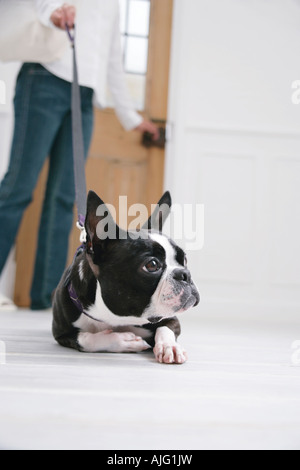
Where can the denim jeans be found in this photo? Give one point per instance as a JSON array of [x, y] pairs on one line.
[[42, 128]]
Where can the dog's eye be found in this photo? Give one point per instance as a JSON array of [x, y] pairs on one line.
[[152, 266], [185, 261]]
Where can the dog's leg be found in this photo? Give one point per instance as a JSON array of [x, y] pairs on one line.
[[110, 341], [166, 349]]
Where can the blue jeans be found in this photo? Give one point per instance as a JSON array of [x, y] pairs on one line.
[[42, 128]]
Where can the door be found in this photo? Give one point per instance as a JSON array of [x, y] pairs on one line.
[[236, 126], [118, 164]]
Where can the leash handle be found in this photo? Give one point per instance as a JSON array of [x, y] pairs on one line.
[[77, 140]]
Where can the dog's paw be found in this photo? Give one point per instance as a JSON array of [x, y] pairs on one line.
[[125, 342], [169, 353]]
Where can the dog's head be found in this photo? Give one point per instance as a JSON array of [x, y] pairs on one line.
[[141, 273]]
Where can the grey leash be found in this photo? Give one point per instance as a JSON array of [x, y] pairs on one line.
[[78, 146]]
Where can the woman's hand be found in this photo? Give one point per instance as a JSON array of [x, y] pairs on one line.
[[64, 15], [148, 126]]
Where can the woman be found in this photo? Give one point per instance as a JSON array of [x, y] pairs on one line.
[[43, 128]]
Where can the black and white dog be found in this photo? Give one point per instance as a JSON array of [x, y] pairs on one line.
[[122, 293]]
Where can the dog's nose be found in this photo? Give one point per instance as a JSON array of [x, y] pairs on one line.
[[182, 275]]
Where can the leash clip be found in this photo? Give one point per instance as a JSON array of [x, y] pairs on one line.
[[83, 235]]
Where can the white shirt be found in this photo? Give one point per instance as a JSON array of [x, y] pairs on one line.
[[99, 55]]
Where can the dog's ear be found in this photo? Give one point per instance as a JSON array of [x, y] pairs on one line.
[[160, 214], [99, 223]]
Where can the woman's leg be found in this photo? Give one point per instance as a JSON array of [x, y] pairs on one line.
[[57, 213], [37, 120]]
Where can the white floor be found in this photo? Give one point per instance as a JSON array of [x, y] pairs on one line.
[[239, 389]]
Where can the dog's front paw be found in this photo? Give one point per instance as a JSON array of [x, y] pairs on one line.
[[169, 353], [126, 342]]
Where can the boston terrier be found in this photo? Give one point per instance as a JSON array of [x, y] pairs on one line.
[[124, 289]]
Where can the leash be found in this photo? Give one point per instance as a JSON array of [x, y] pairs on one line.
[[78, 146], [75, 299], [72, 291], [79, 168]]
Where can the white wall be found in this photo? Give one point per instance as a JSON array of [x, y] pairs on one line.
[[235, 147], [8, 74]]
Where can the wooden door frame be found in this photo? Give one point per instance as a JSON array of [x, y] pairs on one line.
[[158, 82]]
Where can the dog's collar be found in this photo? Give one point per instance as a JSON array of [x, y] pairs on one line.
[[74, 297]]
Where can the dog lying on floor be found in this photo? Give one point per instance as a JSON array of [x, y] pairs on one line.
[[124, 289]]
